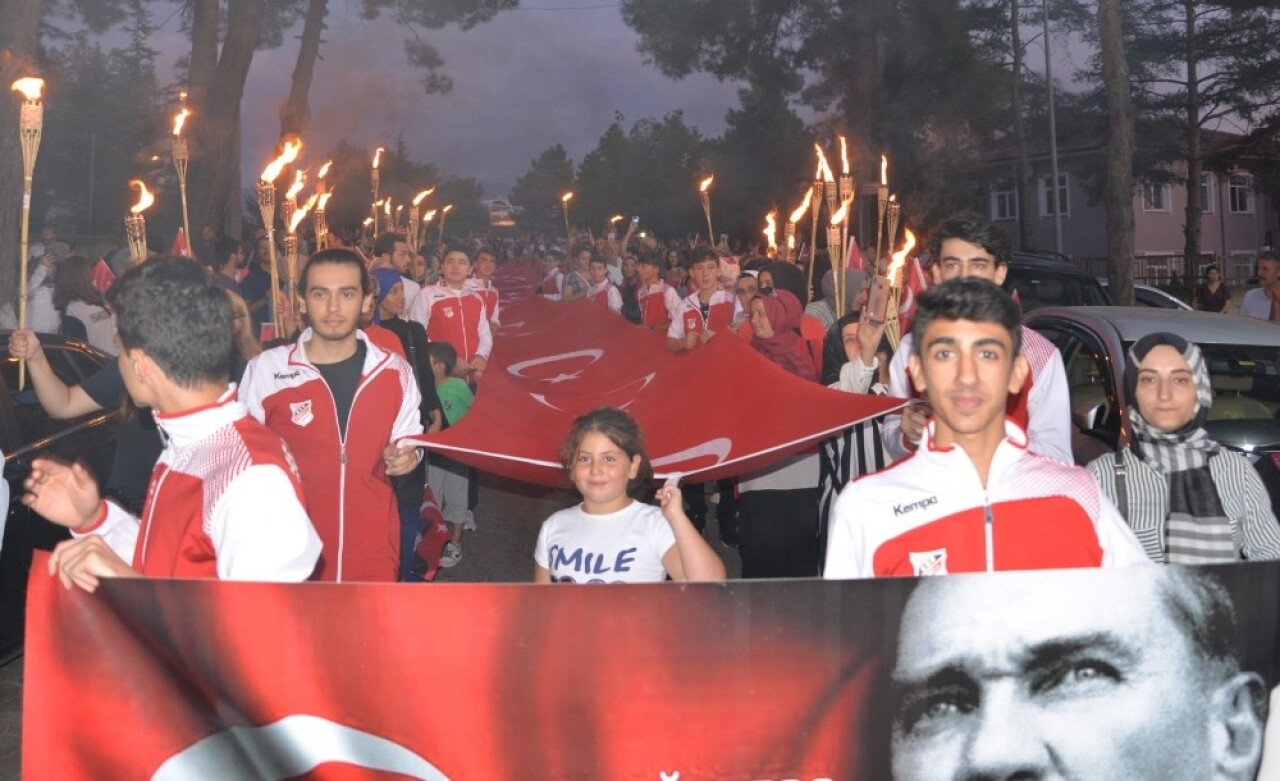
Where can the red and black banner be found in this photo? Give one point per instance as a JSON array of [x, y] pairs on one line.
[[1166, 671]]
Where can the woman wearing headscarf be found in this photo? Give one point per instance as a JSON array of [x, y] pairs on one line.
[[388, 306], [825, 308], [778, 506], [1188, 499]]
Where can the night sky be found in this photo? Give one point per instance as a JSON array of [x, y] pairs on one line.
[[522, 82]]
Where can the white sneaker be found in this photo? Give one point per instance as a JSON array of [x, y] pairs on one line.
[[451, 555], [470, 523]]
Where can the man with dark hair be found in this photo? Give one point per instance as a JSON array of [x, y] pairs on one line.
[[973, 498], [391, 250], [968, 245], [342, 404], [1131, 675], [256, 285], [228, 257], [225, 498]]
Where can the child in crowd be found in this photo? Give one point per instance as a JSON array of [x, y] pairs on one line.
[[705, 312], [451, 312], [447, 477], [659, 302], [603, 293], [481, 284], [611, 536]]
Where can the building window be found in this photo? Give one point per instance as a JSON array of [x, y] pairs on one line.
[[1240, 194], [1004, 201], [1155, 197], [1207, 202], [1046, 195]]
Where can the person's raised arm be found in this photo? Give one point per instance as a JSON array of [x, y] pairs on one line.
[[691, 558], [59, 400]]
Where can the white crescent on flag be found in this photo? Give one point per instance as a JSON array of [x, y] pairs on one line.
[[290, 747]]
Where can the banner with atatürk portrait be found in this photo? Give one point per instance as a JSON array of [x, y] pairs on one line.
[[1140, 673]]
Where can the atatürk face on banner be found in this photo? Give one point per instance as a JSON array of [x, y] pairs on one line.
[[1086, 678]]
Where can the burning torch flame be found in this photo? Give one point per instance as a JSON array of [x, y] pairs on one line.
[[844, 157], [366, 222], [324, 170], [179, 120], [386, 208], [804, 207], [298, 179], [446, 209], [300, 213], [566, 197], [615, 219], [418, 198], [824, 170], [145, 198], [323, 203], [30, 87], [884, 171], [702, 188], [771, 229], [429, 216], [377, 156], [900, 257], [290, 153], [841, 213], [182, 96]]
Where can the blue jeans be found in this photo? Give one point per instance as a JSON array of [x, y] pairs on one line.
[[410, 523]]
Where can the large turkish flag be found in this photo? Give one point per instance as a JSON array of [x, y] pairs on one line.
[[171, 679], [717, 411]]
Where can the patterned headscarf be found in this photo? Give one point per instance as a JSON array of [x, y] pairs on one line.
[[1197, 529]]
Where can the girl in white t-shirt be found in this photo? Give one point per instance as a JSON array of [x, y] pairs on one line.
[[611, 537]]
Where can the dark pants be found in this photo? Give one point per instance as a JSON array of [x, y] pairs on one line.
[[410, 523], [695, 504], [778, 533]]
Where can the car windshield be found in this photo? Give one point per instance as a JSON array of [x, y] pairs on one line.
[[1246, 395], [1038, 289]]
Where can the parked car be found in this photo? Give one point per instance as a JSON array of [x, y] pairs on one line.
[[1242, 354], [25, 433], [1146, 295], [1046, 279]]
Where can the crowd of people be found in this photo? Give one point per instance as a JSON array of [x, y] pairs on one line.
[[380, 342]]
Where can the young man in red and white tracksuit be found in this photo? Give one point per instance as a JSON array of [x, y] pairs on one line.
[[452, 313], [481, 283], [659, 302], [973, 498], [707, 311], [225, 500], [603, 292], [342, 404], [969, 245]]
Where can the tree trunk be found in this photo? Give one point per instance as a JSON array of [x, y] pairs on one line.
[[215, 173], [1024, 184], [1191, 230], [1118, 194], [18, 37], [295, 114]]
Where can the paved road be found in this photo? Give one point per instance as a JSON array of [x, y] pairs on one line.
[[500, 550]]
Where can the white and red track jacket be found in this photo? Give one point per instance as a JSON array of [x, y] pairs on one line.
[[457, 317], [489, 295], [345, 481], [606, 296], [659, 304], [225, 501], [930, 515], [1042, 407], [724, 306]]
